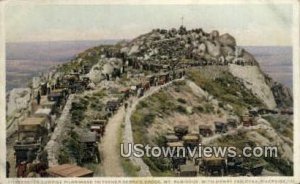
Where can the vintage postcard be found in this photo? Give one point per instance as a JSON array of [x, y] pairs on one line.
[[150, 91]]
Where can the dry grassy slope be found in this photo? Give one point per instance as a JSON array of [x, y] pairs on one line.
[[210, 94], [187, 103], [184, 107], [174, 105]]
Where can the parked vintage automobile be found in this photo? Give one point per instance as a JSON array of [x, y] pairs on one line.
[[254, 167], [57, 95], [78, 87], [187, 170], [46, 104], [88, 141], [98, 126], [69, 170], [46, 113], [231, 122], [32, 135], [214, 166], [171, 137], [191, 140], [112, 105], [181, 130], [220, 127], [177, 159], [234, 164], [205, 130]]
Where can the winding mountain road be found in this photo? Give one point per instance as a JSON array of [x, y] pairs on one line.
[[128, 136]]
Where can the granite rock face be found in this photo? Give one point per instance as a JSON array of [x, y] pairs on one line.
[[18, 107], [105, 67], [227, 40], [283, 95], [18, 99], [162, 45]]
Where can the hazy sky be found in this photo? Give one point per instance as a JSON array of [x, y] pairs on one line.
[[255, 24]]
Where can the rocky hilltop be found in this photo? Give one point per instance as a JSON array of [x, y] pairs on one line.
[[168, 78], [180, 48], [167, 46]]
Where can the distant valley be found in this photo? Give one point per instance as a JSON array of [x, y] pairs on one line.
[[25, 60]]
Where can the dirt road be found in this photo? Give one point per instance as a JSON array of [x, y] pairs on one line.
[[109, 148], [128, 137]]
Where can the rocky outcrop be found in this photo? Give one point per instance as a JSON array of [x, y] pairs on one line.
[[283, 95], [249, 58], [18, 107], [254, 80], [18, 100], [187, 44], [105, 67], [96, 74], [213, 48], [227, 40]]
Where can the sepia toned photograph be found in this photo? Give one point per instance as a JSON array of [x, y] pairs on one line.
[[150, 89]]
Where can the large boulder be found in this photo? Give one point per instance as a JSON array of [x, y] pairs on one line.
[[104, 67], [227, 51], [108, 68], [202, 49], [249, 58], [18, 99], [213, 48], [214, 34], [115, 62], [227, 40], [283, 95], [95, 73]]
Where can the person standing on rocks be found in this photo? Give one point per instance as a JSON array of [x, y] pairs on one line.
[[38, 98], [52, 118], [7, 168], [48, 88], [57, 82]]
